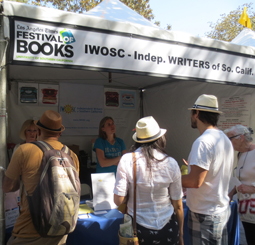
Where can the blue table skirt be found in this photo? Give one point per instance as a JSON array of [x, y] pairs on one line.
[[103, 229], [97, 230]]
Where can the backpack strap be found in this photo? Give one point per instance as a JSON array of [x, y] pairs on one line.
[[44, 146], [66, 150]]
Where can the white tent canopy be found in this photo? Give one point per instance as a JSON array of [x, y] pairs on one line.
[[115, 10], [169, 54], [246, 38]]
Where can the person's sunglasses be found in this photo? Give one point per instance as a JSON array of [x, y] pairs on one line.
[[234, 136]]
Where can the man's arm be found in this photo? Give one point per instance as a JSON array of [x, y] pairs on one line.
[[195, 178], [10, 185]]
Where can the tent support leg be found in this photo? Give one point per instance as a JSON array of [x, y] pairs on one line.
[[141, 103], [3, 124]]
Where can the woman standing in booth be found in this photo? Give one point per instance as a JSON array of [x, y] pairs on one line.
[[241, 139], [108, 147], [159, 209], [27, 133]]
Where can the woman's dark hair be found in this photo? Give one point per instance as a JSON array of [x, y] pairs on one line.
[[147, 150], [207, 117], [101, 133]]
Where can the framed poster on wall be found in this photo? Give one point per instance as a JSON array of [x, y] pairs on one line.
[[111, 98], [28, 93], [236, 110], [117, 98], [48, 95]]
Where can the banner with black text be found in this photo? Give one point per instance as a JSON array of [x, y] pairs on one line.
[[77, 47]]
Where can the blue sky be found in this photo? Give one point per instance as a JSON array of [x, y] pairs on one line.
[[192, 16]]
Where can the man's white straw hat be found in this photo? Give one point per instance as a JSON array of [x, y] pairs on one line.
[[206, 102], [147, 130]]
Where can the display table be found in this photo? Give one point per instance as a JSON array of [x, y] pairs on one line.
[[103, 229], [99, 229]]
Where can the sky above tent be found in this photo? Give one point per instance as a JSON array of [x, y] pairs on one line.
[[194, 16], [115, 10]]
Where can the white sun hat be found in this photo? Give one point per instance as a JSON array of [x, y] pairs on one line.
[[147, 130], [206, 102]]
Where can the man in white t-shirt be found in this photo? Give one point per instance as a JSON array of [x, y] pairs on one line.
[[210, 165]]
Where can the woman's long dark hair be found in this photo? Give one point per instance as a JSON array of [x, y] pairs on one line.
[[147, 150]]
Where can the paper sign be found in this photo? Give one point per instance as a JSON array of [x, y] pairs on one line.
[[102, 187], [236, 110], [81, 108], [10, 217], [84, 216]]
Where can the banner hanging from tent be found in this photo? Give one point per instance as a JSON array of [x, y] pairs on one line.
[[81, 108], [58, 45]]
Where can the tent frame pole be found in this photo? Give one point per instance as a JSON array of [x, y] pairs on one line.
[[141, 103], [3, 121]]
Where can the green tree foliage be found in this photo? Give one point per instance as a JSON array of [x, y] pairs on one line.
[[76, 6], [141, 7], [228, 27], [19, 1]]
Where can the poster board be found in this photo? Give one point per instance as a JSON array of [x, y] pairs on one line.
[[81, 108]]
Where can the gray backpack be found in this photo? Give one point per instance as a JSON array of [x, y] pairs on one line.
[[54, 205]]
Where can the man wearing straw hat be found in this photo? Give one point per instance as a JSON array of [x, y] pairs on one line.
[[210, 165], [25, 165]]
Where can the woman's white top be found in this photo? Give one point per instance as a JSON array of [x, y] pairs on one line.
[[245, 172], [153, 206]]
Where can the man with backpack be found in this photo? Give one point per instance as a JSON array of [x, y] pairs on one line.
[[44, 180]]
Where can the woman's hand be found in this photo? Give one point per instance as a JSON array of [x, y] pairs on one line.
[[231, 194], [246, 189]]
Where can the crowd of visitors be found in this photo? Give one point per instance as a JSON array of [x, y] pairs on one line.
[[159, 181]]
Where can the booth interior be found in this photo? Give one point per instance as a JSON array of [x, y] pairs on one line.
[[167, 103], [161, 103]]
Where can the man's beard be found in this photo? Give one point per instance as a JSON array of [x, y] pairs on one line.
[[193, 124]]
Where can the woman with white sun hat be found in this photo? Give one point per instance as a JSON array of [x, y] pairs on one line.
[[159, 211]]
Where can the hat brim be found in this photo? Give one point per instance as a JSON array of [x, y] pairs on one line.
[[49, 130], [162, 132], [208, 110]]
